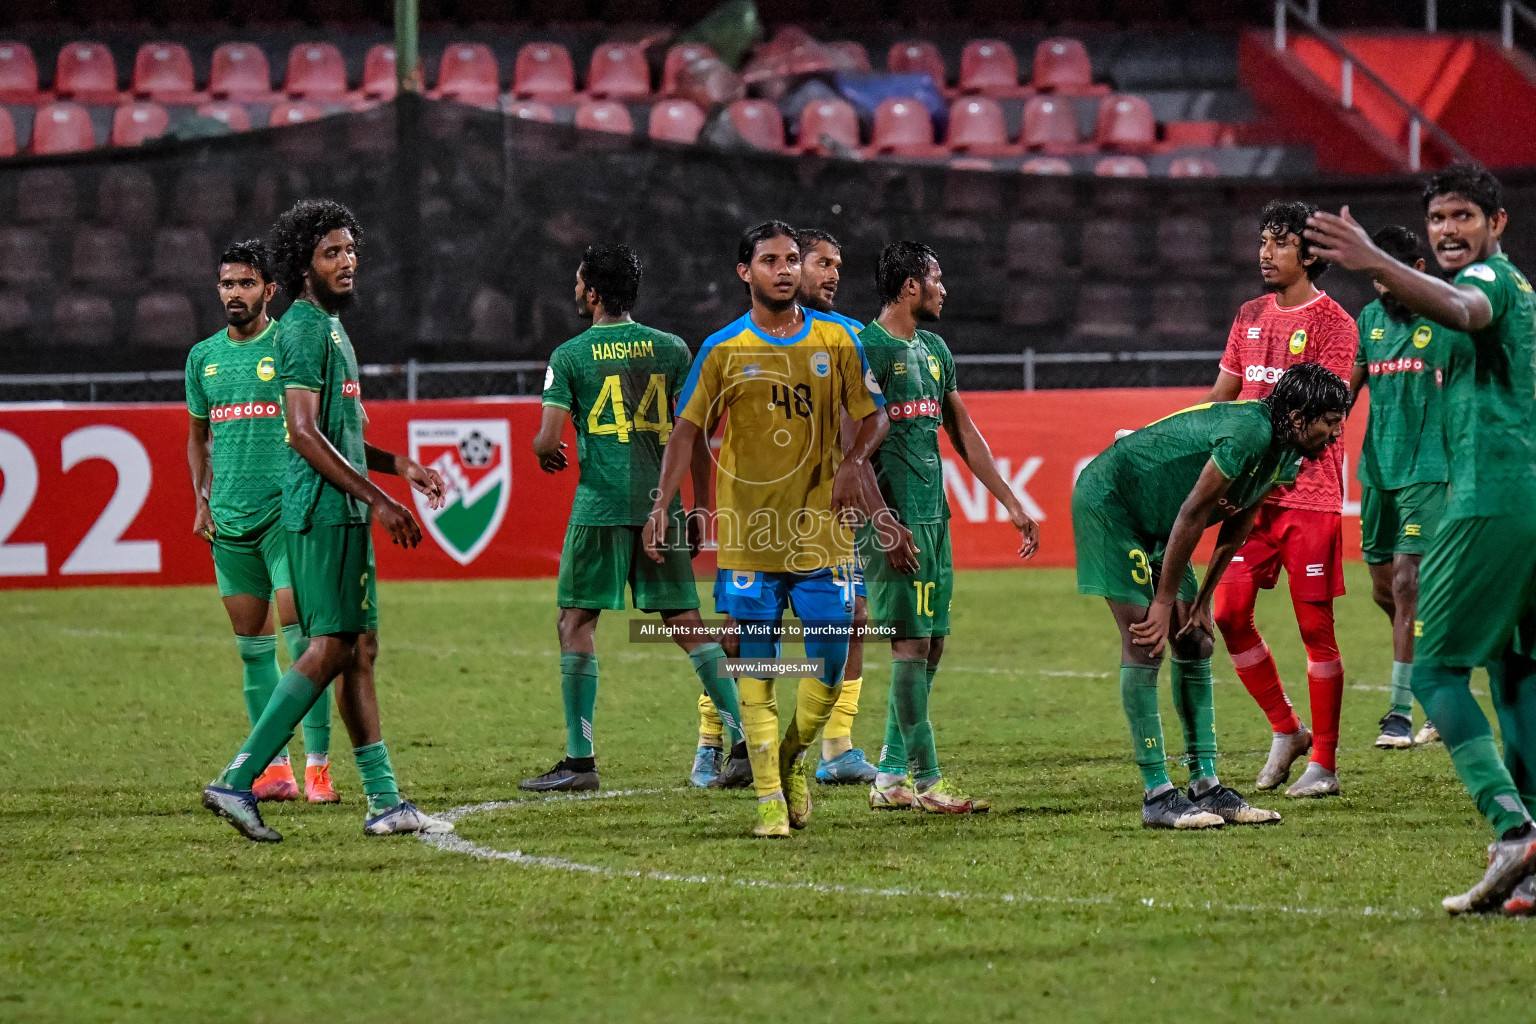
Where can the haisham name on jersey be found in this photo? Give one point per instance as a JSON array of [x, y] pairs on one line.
[[919, 407]]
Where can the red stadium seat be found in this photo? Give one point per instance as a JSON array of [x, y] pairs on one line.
[[976, 126], [163, 72], [1050, 125], [827, 126], [988, 66], [80, 319], [543, 71], [1106, 310], [1193, 167], [24, 261], [1031, 304], [1062, 65], [855, 52], [675, 121], [1037, 248], [618, 71], [604, 116], [86, 72], [679, 57], [232, 114], [1178, 134], [1045, 165], [903, 128], [165, 320], [18, 74], [205, 197], [296, 112], [7, 134], [758, 122], [1126, 125], [1184, 243], [181, 255], [1120, 167], [379, 75], [1111, 248], [967, 163], [916, 57], [62, 128], [134, 123], [1180, 310], [316, 72], [103, 257], [126, 197], [46, 195], [239, 71], [468, 73], [532, 110]]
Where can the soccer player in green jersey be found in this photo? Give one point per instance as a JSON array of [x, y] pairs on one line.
[[617, 381], [1403, 468], [1479, 575], [908, 569], [237, 450], [1138, 511], [327, 503]]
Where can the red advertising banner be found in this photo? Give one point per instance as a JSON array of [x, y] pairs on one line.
[[95, 495]]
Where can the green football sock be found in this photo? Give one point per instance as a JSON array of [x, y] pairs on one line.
[[1512, 683], [1138, 695], [317, 721], [578, 689], [706, 660], [1446, 694], [893, 752], [1196, 704], [378, 777], [909, 696], [293, 696], [258, 659], [1402, 688]]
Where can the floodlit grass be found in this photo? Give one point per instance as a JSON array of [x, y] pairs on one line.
[[124, 900]]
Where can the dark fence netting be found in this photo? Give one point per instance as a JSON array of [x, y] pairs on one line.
[[474, 223]]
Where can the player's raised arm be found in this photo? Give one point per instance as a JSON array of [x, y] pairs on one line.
[[305, 437], [1340, 239], [972, 447]]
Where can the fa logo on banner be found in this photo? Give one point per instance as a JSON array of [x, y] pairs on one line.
[[475, 462]]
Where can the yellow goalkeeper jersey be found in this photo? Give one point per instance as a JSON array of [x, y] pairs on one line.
[[779, 398]]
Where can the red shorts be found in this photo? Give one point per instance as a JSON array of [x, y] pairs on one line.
[[1309, 545]]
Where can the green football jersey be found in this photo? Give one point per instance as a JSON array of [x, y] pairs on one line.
[[234, 386], [1405, 434], [1146, 475], [314, 353], [1490, 411], [915, 376], [619, 382]]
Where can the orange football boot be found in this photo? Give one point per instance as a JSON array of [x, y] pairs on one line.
[[317, 784], [276, 783]]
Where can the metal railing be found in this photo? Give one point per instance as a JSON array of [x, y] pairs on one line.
[[408, 377], [1418, 121]]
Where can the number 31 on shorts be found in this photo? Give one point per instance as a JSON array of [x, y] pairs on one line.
[[1141, 572]]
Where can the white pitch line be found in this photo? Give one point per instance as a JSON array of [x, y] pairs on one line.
[[454, 843]]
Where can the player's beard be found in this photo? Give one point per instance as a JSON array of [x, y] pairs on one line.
[[774, 305], [813, 300], [246, 316], [923, 314], [335, 303]]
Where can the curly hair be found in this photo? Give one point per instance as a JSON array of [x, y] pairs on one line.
[[1283, 217], [1310, 389], [1470, 181], [252, 252], [299, 230], [613, 271]]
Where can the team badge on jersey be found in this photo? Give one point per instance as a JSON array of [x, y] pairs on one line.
[[267, 368], [821, 364], [1421, 335], [1298, 341], [474, 459], [933, 366]]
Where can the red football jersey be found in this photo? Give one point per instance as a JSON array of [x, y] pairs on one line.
[[1267, 340]]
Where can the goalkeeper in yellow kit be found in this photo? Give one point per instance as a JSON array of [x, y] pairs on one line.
[[784, 374]]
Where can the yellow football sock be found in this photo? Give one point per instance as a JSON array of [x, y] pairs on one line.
[[760, 723], [840, 725], [813, 706], [711, 731]]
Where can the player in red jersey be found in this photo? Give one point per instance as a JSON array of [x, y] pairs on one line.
[[1300, 528]]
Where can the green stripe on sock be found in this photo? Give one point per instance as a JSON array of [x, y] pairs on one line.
[[578, 691], [1138, 696], [293, 696], [706, 660]]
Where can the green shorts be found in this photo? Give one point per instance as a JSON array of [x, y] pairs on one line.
[[917, 605], [335, 586], [1475, 585], [1400, 522], [1114, 561], [256, 564], [597, 563]]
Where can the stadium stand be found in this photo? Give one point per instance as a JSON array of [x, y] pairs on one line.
[[829, 127], [758, 122], [62, 128], [136, 123], [18, 74], [162, 72], [317, 72], [544, 71], [618, 71], [240, 72], [677, 121]]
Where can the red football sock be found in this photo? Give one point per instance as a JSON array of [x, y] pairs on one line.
[[1325, 678], [1250, 654]]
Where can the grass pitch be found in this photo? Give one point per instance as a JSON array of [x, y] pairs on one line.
[[126, 901]]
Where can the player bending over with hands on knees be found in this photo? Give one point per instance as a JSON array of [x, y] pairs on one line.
[[1138, 512], [1478, 579]]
